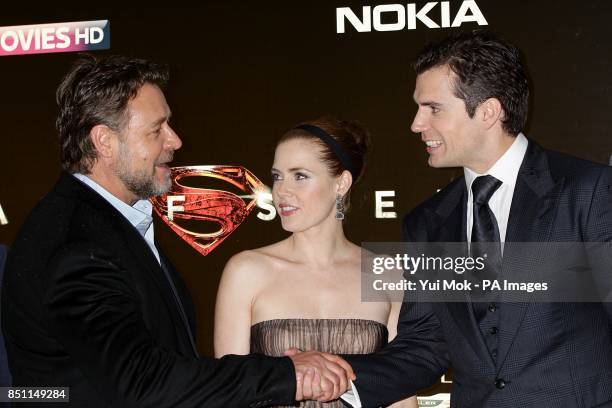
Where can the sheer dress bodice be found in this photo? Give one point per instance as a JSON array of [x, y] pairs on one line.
[[336, 336]]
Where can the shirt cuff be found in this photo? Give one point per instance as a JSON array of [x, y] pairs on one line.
[[352, 397]]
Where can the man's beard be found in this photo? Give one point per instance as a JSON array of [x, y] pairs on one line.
[[140, 182]]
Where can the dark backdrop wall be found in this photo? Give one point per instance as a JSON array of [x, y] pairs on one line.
[[243, 72]]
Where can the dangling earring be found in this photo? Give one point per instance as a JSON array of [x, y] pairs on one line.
[[339, 207]]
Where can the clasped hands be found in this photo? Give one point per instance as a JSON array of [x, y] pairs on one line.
[[320, 376]]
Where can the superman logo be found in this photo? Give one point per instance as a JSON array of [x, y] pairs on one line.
[[186, 206]]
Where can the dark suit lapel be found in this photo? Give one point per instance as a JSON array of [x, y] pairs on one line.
[[131, 240], [533, 200], [451, 220], [140, 249], [183, 300], [450, 215], [531, 218], [182, 291]]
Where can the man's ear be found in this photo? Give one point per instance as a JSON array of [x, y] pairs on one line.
[[344, 182], [491, 112], [104, 141]]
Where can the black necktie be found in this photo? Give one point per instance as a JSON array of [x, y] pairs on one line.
[[484, 227], [485, 232]]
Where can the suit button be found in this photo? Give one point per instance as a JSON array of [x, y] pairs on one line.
[[500, 384], [492, 307], [493, 330]]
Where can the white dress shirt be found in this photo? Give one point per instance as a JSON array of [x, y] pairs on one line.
[[139, 215], [506, 170]]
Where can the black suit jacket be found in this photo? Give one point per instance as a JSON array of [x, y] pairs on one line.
[[86, 305], [549, 354]]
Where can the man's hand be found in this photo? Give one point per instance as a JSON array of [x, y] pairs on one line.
[[320, 376]]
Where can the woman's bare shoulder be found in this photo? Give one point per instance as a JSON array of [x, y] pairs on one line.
[[256, 263]]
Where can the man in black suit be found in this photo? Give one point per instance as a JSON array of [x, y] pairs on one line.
[[472, 94], [89, 301]]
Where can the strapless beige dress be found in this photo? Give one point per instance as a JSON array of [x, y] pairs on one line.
[[336, 336]]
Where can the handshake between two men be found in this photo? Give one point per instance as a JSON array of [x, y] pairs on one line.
[[320, 376]]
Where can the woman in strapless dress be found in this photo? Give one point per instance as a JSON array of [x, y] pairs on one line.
[[305, 291]]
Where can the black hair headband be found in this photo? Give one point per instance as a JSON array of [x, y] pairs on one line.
[[340, 153]]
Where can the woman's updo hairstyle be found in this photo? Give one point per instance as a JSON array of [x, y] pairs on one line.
[[344, 145]]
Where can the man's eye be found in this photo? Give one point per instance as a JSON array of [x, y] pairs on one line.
[[435, 109]]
